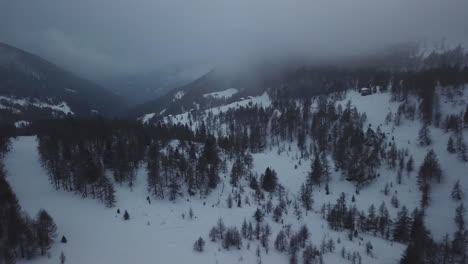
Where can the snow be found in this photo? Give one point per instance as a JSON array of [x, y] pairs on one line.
[[259, 101], [71, 90], [178, 95], [99, 235], [22, 123], [144, 119], [61, 107], [441, 211], [222, 94], [437, 47], [155, 231]]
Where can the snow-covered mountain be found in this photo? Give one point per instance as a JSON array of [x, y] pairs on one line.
[[33, 88], [375, 159], [220, 87], [272, 165]]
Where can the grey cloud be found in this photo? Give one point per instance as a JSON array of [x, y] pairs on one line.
[[98, 38]]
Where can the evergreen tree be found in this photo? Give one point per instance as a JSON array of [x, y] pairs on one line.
[[236, 171], [410, 165], [325, 167], [229, 201], [46, 230], [126, 216], [306, 197], [316, 173], [199, 245], [424, 136], [450, 145], [430, 169], [244, 229], [420, 243], [281, 241], [465, 117], [401, 231], [461, 148], [258, 215], [460, 238], [310, 254], [270, 180], [457, 193], [62, 258]]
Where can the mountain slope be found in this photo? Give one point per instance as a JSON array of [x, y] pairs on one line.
[[35, 81], [156, 228]]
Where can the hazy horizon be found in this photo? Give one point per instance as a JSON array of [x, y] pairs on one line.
[[107, 38]]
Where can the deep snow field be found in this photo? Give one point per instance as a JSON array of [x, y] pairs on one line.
[[157, 232]]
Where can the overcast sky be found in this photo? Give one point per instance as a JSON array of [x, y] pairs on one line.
[[98, 38]]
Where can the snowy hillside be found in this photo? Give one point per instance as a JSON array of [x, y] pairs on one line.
[[156, 227], [11, 102], [187, 118], [222, 94]]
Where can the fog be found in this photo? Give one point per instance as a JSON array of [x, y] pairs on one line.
[[103, 38]]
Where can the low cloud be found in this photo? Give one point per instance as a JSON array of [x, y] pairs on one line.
[[102, 38]]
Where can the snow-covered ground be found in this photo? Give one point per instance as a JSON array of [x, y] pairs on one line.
[[440, 214], [144, 119], [61, 107], [184, 118], [178, 95], [157, 233], [228, 93], [22, 123]]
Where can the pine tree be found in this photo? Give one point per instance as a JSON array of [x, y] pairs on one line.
[[236, 171], [126, 216], [310, 254], [419, 245], [425, 195], [372, 219], [424, 136], [46, 231], [199, 245], [244, 229], [430, 169], [410, 165], [62, 258], [63, 240], [459, 243], [383, 219], [109, 194], [229, 201], [258, 215], [270, 180], [465, 117], [191, 213], [306, 197], [457, 193], [450, 145], [325, 167], [401, 231], [316, 173], [280, 241], [461, 148]]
